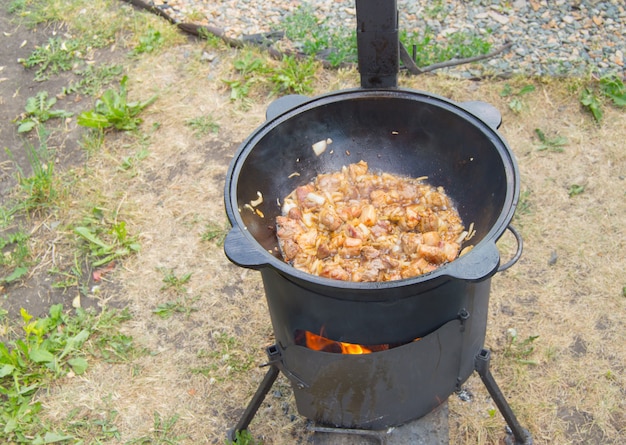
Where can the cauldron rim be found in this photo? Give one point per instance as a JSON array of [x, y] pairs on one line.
[[483, 260]]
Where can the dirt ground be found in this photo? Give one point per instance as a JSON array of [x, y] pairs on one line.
[[567, 290]]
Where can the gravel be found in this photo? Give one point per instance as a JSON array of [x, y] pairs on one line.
[[549, 37]]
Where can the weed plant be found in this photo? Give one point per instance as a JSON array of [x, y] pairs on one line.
[[40, 188], [43, 350], [174, 282], [105, 241], [16, 256], [202, 125], [56, 56], [609, 87], [39, 110], [162, 432], [93, 79], [554, 144], [313, 37], [516, 103], [215, 233], [294, 76], [150, 41], [428, 50], [113, 110], [243, 437]]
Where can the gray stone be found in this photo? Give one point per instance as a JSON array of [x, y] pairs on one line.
[[432, 429]]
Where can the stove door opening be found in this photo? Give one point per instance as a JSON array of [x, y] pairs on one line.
[[318, 342]]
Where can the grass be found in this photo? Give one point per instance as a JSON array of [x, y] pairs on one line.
[[16, 256], [314, 37], [44, 350], [93, 79], [227, 360], [40, 188], [104, 240], [203, 125], [52, 58], [35, 352]]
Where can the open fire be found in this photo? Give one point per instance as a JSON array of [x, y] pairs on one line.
[[319, 343]]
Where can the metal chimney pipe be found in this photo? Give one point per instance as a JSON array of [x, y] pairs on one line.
[[378, 43]]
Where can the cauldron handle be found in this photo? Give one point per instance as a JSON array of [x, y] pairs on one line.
[[484, 111], [237, 248], [518, 253], [283, 104]]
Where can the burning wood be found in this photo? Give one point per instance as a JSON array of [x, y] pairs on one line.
[[320, 343]]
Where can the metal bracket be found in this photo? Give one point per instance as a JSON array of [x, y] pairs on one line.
[[255, 403], [276, 359], [276, 365], [481, 364]]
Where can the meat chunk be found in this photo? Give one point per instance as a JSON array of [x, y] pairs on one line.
[[354, 225]]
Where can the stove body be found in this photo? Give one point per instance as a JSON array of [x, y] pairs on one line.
[[434, 326]]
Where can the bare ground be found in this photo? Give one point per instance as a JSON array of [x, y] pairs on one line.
[[567, 289]]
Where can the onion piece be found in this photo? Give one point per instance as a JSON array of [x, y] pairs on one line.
[[317, 199], [320, 146], [470, 232], [288, 205], [257, 201]]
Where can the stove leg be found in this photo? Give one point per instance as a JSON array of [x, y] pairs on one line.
[[255, 403], [481, 364]]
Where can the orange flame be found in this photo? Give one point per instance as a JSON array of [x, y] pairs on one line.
[[319, 343]]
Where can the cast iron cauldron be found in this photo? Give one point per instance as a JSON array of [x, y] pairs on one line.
[[398, 131]]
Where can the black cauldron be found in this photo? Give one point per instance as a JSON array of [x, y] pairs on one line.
[[397, 131]]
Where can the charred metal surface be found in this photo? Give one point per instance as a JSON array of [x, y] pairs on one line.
[[378, 43], [381, 389]]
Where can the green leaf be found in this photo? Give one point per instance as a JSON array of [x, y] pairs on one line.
[[17, 273], [56, 310], [92, 119], [613, 88], [91, 237], [25, 315], [75, 342], [78, 364], [592, 103], [526, 89], [26, 125], [10, 425], [50, 437], [576, 189], [6, 370], [39, 355]]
